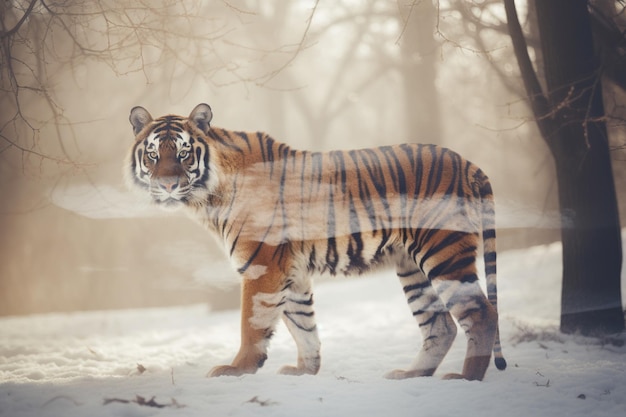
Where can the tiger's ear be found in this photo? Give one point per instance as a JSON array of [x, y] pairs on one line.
[[201, 115], [139, 117]]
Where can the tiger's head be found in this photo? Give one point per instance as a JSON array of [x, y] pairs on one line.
[[170, 156]]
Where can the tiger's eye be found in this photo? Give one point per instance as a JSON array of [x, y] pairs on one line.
[[152, 155], [183, 154]]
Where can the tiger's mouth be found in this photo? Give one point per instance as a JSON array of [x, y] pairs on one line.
[[168, 203]]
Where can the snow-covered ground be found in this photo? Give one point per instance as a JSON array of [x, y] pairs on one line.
[[153, 362]]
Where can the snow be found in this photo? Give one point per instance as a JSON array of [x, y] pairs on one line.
[[103, 202], [124, 363]]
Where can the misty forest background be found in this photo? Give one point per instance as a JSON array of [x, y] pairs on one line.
[[318, 75]]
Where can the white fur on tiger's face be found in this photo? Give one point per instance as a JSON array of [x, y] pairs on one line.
[[284, 214], [168, 160]]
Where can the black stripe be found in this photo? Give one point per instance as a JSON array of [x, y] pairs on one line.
[[447, 267], [281, 200], [466, 175], [375, 171], [438, 269], [469, 312], [245, 266], [415, 296], [281, 251], [312, 259], [384, 150], [317, 167], [298, 325], [408, 274], [468, 278], [332, 256], [489, 234], [418, 286], [269, 145], [453, 171], [246, 138], [408, 151], [435, 172], [401, 182], [307, 302], [355, 244], [160, 128], [287, 285], [446, 242], [340, 170], [301, 313], [220, 136], [431, 320], [364, 193]]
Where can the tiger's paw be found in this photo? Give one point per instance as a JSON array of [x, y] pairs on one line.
[[306, 366], [292, 370], [228, 370], [296, 370], [453, 376], [473, 369], [402, 374]]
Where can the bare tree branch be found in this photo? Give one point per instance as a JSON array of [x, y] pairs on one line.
[[47, 38], [538, 101], [299, 47], [6, 33]]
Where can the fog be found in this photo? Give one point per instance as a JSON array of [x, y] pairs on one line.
[[317, 75]]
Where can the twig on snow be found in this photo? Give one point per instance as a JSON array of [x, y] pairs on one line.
[[142, 401]]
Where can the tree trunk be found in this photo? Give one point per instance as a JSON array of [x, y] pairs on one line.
[[577, 136], [571, 121], [420, 53]]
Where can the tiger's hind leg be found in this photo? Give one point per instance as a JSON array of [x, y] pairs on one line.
[[476, 316], [299, 317], [436, 324]]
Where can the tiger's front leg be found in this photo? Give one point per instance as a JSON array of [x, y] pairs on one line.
[[261, 306], [299, 317]]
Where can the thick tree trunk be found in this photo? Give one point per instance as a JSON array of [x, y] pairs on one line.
[[577, 136], [591, 296], [571, 120]]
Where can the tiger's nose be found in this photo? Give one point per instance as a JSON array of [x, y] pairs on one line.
[[169, 184]]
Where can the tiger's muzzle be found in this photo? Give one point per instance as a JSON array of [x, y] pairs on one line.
[[169, 190]]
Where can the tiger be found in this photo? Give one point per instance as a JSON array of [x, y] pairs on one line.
[[283, 215]]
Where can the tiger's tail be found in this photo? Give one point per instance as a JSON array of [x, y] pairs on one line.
[[489, 252]]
